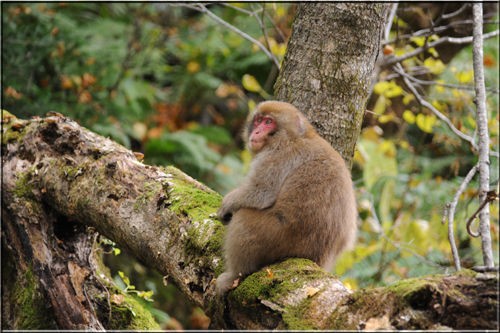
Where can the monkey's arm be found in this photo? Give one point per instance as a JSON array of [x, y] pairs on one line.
[[258, 193]]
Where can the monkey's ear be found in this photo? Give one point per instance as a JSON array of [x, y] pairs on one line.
[[301, 125]]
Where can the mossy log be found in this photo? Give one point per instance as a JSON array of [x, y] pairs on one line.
[[62, 184]]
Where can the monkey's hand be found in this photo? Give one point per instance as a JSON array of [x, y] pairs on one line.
[[230, 204], [225, 212]]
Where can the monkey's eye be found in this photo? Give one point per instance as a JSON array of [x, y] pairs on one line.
[[269, 121]]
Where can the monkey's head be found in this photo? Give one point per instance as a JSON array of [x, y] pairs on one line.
[[272, 119]]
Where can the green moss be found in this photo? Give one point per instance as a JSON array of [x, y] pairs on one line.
[[466, 273], [127, 313], [24, 187], [275, 281], [205, 241], [150, 191], [13, 129], [191, 201], [71, 172], [32, 309], [131, 315], [293, 317], [409, 289], [198, 204]]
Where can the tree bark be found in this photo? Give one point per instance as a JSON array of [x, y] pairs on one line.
[[329, 65], [59, 179]]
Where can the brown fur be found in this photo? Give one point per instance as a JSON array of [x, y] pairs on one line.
[[296, 201]]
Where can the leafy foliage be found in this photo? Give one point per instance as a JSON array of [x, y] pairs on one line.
[[169, 81]]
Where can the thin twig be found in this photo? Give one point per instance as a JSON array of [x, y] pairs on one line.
[[377, 228], [202, 9], [441, 84], [406, 78], [455, 13], [433, 30], [450, 213], [392, 13], [483, 135], [451, 40], [490, 196], [399, 69]]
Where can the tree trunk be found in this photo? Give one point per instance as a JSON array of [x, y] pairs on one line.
[[328, 68], [61, 182]]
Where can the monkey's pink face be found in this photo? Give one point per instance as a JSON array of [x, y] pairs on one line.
[[263, 127]]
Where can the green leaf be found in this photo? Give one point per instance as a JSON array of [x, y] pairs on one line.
[[250, 83], [215, 134]]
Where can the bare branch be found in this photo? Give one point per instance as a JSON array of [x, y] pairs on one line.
[[377, 228], [451, 40], [434, 30], [441, 84], [490, 196], [406, 78], [483, 135], [399, 69], [202, 9], [450, 214], [388, 27], [455, 13]]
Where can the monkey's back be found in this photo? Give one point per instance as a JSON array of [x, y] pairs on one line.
[[321, 213], [313, 217]]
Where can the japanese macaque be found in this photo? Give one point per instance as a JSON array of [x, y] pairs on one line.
[[296, 201]]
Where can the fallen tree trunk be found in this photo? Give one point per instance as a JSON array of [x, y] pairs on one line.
[[61, 182]]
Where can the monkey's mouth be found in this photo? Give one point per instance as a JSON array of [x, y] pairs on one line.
[[257, 145]]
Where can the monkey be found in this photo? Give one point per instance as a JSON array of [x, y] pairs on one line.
[[297, 199]]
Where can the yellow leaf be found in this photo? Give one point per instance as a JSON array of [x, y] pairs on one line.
[[350, 284], [277, 49], [251, 104], [404, 144], [436, 66], [372, 133], [385, 118], [193, 67], [117, 299], [438, 105], [419, 41], [380, 87], [250, 83], [280, 11], [409, 117], [311, 291], [358, 158], [433, 52], [388, 148], [408, 98], [433, 38], [388, 89], [426, 123], [381, 104], [440, 88], [465, 76]]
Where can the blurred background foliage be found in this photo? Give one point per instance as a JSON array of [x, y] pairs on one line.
[[172, 83]]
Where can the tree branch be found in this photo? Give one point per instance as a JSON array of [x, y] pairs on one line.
[[165, 219], [203, 9], [451, 40], [399, 69], [483, 135], [450, 215]]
